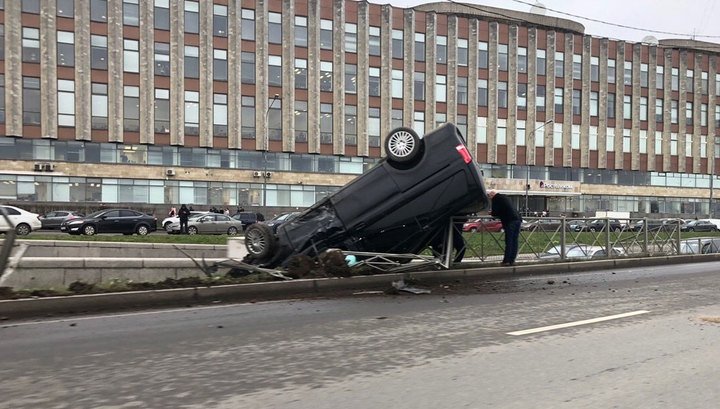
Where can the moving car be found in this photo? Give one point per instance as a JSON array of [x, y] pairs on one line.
[[278, 220], [125, 221], [21, 220], [699, 225], [402, 205], [488, 225], [176, 219], [53, 220], [209, 223]]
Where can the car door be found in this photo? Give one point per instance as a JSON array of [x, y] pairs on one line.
[[108, 222], [205, 224], [12, 214], [222, 223], [57, 218], [129, 219], [48, 220]]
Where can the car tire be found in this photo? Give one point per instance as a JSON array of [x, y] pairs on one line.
[[259, 240], [402, 145], [691, 229], [192, 230], [473, 230], [89, 230], [592, 229], [142, 230], [232, 231], [23, 229], [165, 226], [618, 230]]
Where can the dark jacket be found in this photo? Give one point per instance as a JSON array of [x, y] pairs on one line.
[[503, 209], [184, 213]]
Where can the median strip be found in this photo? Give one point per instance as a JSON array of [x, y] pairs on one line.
[[577, 323]]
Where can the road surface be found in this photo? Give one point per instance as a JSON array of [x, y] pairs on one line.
[[632, 338]]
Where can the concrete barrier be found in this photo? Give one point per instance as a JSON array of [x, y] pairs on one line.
[[67, 248]]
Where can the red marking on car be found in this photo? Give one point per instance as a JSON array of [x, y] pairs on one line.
[[462, 150]]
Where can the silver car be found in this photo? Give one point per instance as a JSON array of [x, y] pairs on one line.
[[209, 223]]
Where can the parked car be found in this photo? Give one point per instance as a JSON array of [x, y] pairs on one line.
[[699, 225], [652, 225], [544, 224], [402, 205], [209, 223], [21, 220], [125, 221], [580, 252], [700, 245], [53, 220], [278, 220], [248, 218], [489, 225], [176, 219], [603, 224]]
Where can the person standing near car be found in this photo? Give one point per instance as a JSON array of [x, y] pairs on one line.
[[184, 214], [502, 208]]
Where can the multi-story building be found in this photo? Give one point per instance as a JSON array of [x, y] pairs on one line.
[[277, 103]]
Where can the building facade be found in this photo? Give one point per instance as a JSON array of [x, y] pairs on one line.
[[278, 103]]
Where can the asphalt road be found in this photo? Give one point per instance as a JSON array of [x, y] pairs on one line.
[[634, 338]]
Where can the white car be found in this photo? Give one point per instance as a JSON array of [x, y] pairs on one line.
[[21, 220], [176, 219]]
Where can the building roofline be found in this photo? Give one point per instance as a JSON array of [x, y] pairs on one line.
[[685, 44]]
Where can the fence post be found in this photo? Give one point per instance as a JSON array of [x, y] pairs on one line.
[[646, 239], [678, 235], [607, 236], [563, 226]]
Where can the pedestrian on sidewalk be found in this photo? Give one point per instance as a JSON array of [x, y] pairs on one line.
[[184, 214], [503, 209]]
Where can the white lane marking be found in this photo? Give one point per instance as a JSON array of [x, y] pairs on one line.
[[10, 324], [577, 323]]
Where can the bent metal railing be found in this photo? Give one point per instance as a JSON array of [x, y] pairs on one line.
[[553, 239]]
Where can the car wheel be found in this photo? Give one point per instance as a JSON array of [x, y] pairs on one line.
[[143, 230], [691, 229], [618, 230], [592, 229], [232, 231], [402, 145], [165, 226], [89, 230], [192, 230], [23, 229], [259, 240], [473, 230]]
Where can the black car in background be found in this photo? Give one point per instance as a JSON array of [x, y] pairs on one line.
[[248, 218], [402, 205], [125, 221], [602, 225], [699, 225], [53, 220]]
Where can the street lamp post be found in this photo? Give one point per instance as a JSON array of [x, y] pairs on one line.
[[265, 149], [527, 172]]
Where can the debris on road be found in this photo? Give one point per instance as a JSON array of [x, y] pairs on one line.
[[403, 287]]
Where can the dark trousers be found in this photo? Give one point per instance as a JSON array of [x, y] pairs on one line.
[[183, 226], [512, 234]]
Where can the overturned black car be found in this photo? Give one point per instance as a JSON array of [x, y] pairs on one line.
[[402, 205]]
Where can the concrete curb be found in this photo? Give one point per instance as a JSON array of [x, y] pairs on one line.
[[39, 307]]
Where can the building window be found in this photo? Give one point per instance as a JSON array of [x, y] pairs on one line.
[[162, 110], [626, 141], [247, 67], [220, 117], [2, 41], [643, 142], [326, 34], [643, 108], [98, 10], [482, 55], [577, 67], [627, 107], [610, 105], [247, 117], [502, 57], [522, 96], [131, 13], [31, 101], [559, 101], [644, 75], [717, 117], [66, 48], [502, 88], [703, 114], [541, 62], [66, 103], [301, 31], [540, 98], [559, 64], [161, 15], [192, 62], [374, 40], [704, 82], [131, 56], [462, 90], [220, 20], [66, 8], [660, 77], [441, 49], [301, 74], [220, 67], [689, 81], [689, 113], [30, 44], [501, 132], [2, 98], [247, 26], [522, 59], [397, 83], [397, 44], [350, 78], [326, 123], [350, 125], [419, 47], [674, 79], [440, 88], [462, 52], [576, 101], [192, 113], [594, 69], [374, 127], [31, 6], [673, 111], [192, 17], [274, 28], [627, 73], [350, 37], [396, 120], [594, 103], [99, 106], [131, 108], [374, 81], [419, 86], [275, 71], [611, 71], [659, 110], [162, 59], [482, 94], [419, 122], [326, 71], [301, 121], [275, 125]]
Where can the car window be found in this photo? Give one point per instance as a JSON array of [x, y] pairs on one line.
[[222, 218], [112, 213], [128, 213], [10, 211], [61, 214]]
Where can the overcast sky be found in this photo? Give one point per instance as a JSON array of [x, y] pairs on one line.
[[701, 17]]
